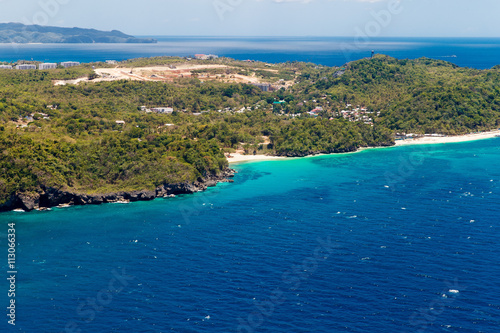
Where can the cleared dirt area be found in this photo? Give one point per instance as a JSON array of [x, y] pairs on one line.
[[220, 73]]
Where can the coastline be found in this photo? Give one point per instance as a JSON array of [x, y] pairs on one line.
[[49, 197], [57, 198], [427, 140]]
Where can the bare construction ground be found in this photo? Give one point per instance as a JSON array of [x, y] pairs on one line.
[[220, 73]]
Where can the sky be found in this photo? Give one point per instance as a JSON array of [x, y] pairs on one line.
[[354, 18]]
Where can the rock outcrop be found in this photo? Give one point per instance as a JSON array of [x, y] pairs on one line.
[[48, 197]]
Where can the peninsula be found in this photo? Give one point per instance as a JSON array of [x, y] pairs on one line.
[[22, 34], [155, 127]]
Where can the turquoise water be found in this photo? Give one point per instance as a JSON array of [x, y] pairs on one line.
[[385, 240]]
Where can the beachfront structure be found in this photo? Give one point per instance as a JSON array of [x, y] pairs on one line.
[[162, 110], [47, 65], [26, 66], [5, 67], [111, 62], [68, 64]]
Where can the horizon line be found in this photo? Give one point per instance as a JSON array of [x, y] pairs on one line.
[[317, 36]]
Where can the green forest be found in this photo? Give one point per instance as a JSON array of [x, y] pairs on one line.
[[94, 138]]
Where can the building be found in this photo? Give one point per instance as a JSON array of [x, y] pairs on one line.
[[318, 109], [47, 65], [206, 56], [262, 86], [111, 62], [68, 64], [5, 67], [162, 110], [26, 66]]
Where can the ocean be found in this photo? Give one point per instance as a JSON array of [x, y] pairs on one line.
[[400, 239], [478, 53]]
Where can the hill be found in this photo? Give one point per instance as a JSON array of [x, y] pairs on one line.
[[421, 95], [20, 33]]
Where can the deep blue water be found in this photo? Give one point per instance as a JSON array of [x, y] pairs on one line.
[[385, 240], [332, 51]]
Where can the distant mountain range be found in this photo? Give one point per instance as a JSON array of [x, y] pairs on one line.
[[20, 33]]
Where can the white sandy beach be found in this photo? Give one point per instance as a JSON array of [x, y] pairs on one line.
[[448, 139], [238, 157]]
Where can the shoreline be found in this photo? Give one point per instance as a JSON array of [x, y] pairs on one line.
[[240, 158], [23, 202], [427, 140], [449, 139], [46, 198]]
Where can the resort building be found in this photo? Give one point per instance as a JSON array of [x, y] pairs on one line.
[[26, 66], [47, 65], [111, 62], [5, 67], [68, 64]]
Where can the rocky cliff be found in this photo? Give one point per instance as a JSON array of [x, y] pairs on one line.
[[48, 197]]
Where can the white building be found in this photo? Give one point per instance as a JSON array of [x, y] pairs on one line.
[[5, 67], [162, 110], [67, 64], [26, 66], [111, 62], [47, 65]]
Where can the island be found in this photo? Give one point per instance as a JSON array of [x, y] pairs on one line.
[[21, 33], [159, 127]]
